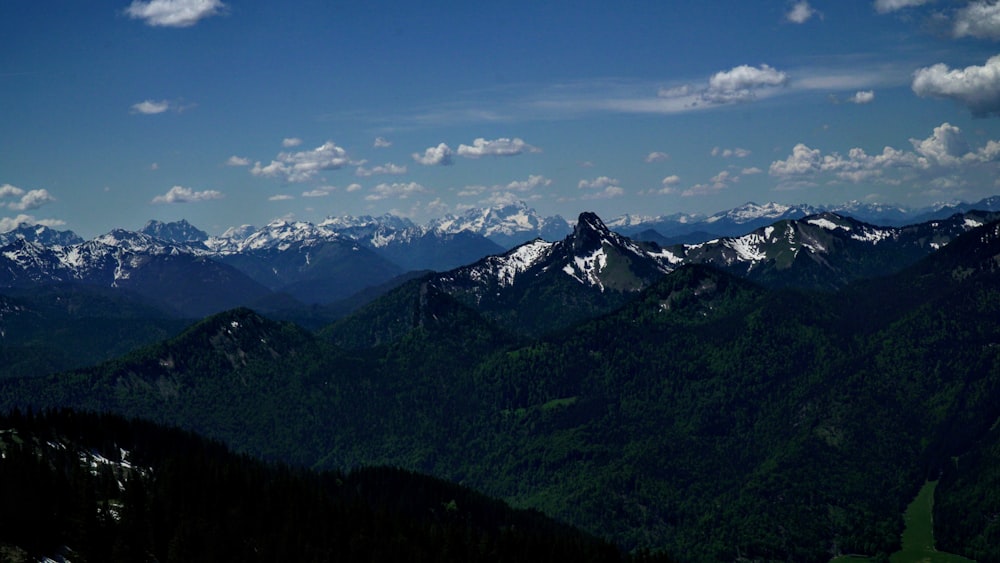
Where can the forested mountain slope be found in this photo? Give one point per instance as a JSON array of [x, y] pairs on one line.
[[99, 488], [709, 417]]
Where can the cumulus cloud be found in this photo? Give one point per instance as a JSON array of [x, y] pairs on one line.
[[291, 142], [280, 197], [305, 165], [742, 83], [945, 146], [886, 6], [978, 19], [533, 182], [180, 194], [601, 187], [398, 190], [976, 87], [24, 199], [237, 161], [716, 184], [439, 155], [387, 168], [944, 153], [862, 97], [173, 13], [597, 183], [498, 147], [381, 143], [730, 153], [801, 12], [353, 187], [669, 184], [607, 193], [32, 199], [657, 156]]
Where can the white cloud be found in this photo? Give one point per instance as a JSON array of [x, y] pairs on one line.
[[290, 142], [387, 168], [280, 197], [381, 143], [976, 87], [498, 147], [398, 190], [353, 187], [803, 160], [173, 13], [730, 153], [716, 184], [439, 155], [25, 199], [237, 161], [946, 145], [657, 156], [978, 19], [607, 193], [180, 194], [533, 182], [862, 97], [151, 107], [601, 187], [318, 192], [597, 183], [751, 171], [742, 83], [8, 190], [944, 154], [669, 184], [886, 6], [801, 12], [305, 165], [675, 92], [32, 199]]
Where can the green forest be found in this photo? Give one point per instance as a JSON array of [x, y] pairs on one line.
[[707, 419]]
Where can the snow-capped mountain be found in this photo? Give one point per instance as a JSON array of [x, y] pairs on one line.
[[40, 234], [507, 225], [827, 250], [178, 277], [280, 235], [321, 263], [540, 285]]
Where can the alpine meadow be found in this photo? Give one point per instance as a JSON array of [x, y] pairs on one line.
[[602, 282]]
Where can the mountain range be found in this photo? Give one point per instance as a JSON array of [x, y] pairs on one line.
[[316, 273], [707, 417]]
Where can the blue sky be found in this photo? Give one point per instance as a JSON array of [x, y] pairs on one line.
[[228, 112]]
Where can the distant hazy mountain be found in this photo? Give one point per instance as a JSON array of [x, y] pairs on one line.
[[692, 228]]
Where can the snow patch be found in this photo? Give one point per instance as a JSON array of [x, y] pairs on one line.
[[827, 224]]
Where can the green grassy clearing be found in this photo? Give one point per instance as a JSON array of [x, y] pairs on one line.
[[918, 535]]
